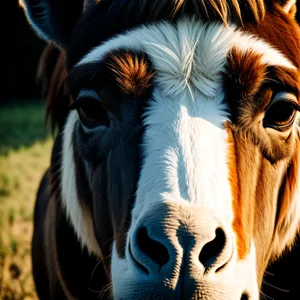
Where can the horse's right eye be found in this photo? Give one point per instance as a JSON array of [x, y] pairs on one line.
[[92, 113], [90, 110]]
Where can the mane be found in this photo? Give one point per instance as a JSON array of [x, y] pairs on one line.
[[223, 10], [52, 74]]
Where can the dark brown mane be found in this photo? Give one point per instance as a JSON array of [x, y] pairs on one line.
[[51, 74], [224, 10]]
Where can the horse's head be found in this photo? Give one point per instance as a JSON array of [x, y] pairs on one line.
[[180, 156]]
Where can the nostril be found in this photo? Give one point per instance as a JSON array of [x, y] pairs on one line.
[[136, 261], [245, 296], [212, 250], [151, 248]]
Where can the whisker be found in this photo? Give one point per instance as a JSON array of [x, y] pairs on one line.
[[265, 296], [99, 262], [108, 241], [275, 287], [106, 288], [269, 273], [103, 291]]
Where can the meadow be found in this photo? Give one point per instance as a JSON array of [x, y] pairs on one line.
[[25, 146]]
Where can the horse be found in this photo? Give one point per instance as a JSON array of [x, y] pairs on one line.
[[174, 172]]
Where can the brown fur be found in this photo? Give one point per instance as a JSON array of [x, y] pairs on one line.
[[52, 74], [259, 160], [254, 182], [223, 10], [285, 202], [273, 27], [261, 165], [276, 25], [131, 73], [288, 188], [52, 259], [289, 6], [239, 227], [246, 74]]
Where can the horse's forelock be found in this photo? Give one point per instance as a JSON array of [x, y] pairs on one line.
[[224, 10]]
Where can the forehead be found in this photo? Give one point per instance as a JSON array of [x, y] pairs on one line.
[[191, 53], [110, 18]]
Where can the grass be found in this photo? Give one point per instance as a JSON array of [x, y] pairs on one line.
[[21, 126], [25, 148]]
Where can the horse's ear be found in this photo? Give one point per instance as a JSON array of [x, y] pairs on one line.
[[53, 20], [87, 4], [288, 216], [289, 6]]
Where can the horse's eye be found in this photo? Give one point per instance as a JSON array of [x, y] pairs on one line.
[[90, 109], [281, 114], [92, 112]]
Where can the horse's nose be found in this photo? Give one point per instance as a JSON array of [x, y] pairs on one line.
[[149, 252], [173, 239]]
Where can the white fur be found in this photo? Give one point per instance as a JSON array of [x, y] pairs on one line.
[[238, 278], [185, 143], [270, 55], [79, 216], [145, 36], [185, 148]]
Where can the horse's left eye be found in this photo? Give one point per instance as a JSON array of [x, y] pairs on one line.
[[281, 114]]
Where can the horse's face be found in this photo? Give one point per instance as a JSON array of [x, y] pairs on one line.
[[182, 148]]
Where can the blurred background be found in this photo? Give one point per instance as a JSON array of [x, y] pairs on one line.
[[25, 146]]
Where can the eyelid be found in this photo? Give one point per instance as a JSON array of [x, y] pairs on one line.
[[286, 97], [289, 97], [83, 94], [89, 93]]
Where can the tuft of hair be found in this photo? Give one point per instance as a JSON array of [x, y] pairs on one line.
[[131, 73], [52, 74], [222, 10]]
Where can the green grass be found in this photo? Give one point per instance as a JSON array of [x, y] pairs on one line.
[[21, 126], [25, 147]]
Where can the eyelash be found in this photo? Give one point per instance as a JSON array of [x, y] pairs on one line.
[[77, 103], [280, 114]]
